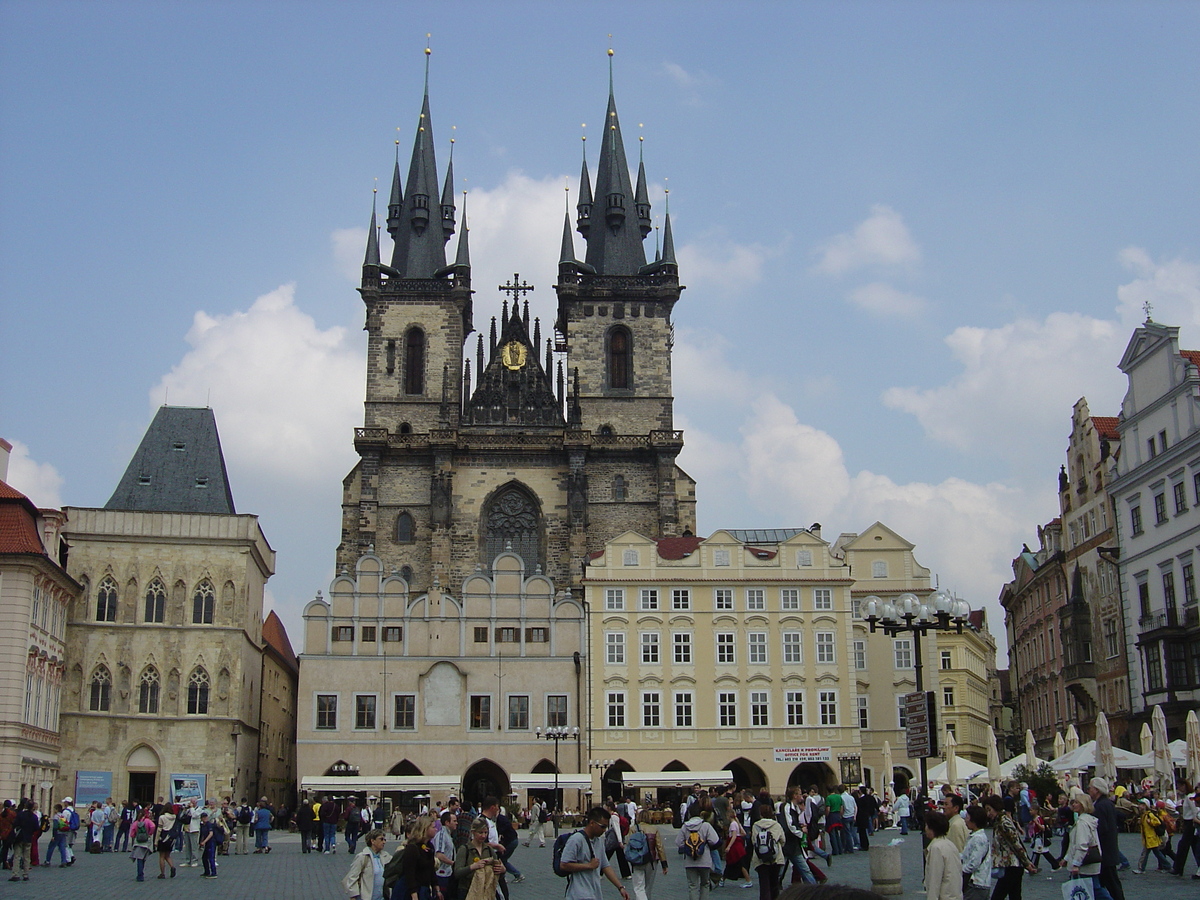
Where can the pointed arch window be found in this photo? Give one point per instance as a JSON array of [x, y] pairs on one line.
[[404, 528], [202, 604], [148, 691], [620, 358], [511, 519], [198, 684], [618, 487], [101, 694], [106, 600], [414, 361], [406, 572], [156, 601]]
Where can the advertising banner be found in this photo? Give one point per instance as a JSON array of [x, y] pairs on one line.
[[803, 754], [188, 787], [90, 786]]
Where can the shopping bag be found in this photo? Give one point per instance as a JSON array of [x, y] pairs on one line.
[[1078, 889]]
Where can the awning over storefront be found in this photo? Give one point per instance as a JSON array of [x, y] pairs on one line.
[[567, 781], [670, 779], [357, 784]]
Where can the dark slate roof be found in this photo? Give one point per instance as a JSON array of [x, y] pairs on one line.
[[614, 249], [764, 535], [521, 395], [178, 467]]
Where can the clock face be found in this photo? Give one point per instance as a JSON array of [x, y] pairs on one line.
[[512, 355]]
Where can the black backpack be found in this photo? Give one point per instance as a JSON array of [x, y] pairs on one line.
[[560, 844], [245, 815]]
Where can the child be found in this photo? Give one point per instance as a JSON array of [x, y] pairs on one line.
[[208, 846]]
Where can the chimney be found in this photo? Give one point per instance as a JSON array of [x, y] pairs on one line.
[[815, 529], [5, 450]]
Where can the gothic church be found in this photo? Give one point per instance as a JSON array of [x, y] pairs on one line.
[[548, 447]]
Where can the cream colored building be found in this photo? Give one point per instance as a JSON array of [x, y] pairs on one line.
[[727, 653], [165, 644], [747, 652], [966, 685], [35, 594], [440, 685]]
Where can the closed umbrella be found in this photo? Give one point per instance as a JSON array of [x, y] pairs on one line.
[[1072, 739], [889, 788], [1030, 757], [1192, 758], [1164, 769], [993, 760], [1060, 745], [1146, 738], [1106, 765], [951, 759]]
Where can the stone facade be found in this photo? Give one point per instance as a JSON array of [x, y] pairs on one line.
[[440, 683], [165, 651]]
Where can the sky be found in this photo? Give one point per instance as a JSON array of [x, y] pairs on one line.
[[913, 234]]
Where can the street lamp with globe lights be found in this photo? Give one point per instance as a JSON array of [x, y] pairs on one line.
[[909, 614], [558, 734]]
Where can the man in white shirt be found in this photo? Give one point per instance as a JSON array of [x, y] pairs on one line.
[[849, 811]]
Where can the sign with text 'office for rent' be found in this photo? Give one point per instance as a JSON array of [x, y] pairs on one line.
[[803, 754]]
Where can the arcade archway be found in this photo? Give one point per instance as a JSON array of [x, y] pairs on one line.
[[810, 773], [747, 775], [485, 779]]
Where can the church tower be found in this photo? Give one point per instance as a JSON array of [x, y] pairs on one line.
[[547, 449]]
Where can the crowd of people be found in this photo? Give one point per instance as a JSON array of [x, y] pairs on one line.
[[198, 831]]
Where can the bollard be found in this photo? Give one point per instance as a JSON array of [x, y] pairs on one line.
[[885, 870]]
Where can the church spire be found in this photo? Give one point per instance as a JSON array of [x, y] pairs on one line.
[[463, 258], [419, 250], [397, 198], [448, 197], [584, 206], [641, 197], [372, 257], [614, 246]]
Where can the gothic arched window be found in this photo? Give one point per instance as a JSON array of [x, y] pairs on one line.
[[156, 601], [106, 600], [202, 604], [197, 704], [404, 528], [511, 518], [414, 361], [406, 572], [101, 697], [618, 487], [620, 358], [148, 691]]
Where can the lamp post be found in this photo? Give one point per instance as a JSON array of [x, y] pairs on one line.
[[908, 614], [600, 766], [558, 734]]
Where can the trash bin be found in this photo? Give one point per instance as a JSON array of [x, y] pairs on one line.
[[885, 870]]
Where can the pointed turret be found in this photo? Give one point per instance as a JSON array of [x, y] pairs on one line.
[[668, 248], [396, 201], [419, 249], [566, 255], [641, 197], [584, 206], [448, 198], [372, 256], [615, 248]]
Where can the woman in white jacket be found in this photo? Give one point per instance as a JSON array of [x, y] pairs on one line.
[[365, 878], [1084, 837]]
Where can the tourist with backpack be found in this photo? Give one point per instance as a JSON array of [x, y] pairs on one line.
[[168, 832], [245, 818], [539, 817], [644, 852], [581, 858], [143, 840], [695, 842], [767, 839], [791, 817]]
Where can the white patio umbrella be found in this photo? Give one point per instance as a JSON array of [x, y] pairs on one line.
[[951, 760], [1164, 768], [1192, 738], [1106, 765], [889, 786], [965, 771], [1084, 756], [993, 760], [1072, 738], [1146, 739]]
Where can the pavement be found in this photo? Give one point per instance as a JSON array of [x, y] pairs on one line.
[[288, 874]]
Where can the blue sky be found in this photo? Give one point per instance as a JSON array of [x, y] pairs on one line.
[[913, 234]]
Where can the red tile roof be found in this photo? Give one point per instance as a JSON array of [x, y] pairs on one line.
[[761, 553], [1192, 356], [18, 523], [1106, 427], [275, 637], [678, 547]]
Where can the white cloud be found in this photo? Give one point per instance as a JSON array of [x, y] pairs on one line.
[[279, 386], [882, 239], [1172, 289], [40, 482], [679, 75], [689, 83], [1017, 384], [882, 299], [349, 248], [722, 264]]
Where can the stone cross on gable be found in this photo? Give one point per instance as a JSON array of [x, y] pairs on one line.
[[1147, 309], [516, 287]]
